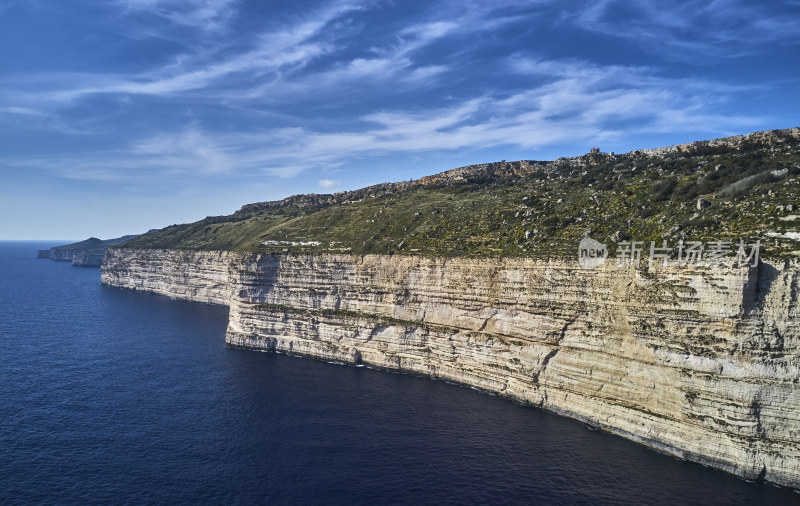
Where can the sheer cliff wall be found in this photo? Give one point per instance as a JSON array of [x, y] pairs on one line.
[[201, 276], [701, 363]]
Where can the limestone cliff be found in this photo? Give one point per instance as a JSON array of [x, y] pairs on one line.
[[201, 276], [87, 259], [698, 363]]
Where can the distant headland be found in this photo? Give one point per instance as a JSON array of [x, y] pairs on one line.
[[87, 253]]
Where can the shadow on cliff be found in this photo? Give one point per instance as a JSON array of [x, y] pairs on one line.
[[758, 284]]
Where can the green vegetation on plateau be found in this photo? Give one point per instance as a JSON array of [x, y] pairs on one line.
[[92, 245], [536, 209]]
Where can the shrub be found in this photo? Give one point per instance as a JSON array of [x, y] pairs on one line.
[[663, 189], [745, 184]]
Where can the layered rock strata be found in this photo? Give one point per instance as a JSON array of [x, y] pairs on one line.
[[200, 276], [87, 260], [701, 363]]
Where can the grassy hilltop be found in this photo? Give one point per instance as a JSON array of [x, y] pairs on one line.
[[750, 186], [90, 246]]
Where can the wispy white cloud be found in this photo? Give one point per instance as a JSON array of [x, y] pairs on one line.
[[684, 29], [392, 63], [31, 118], [551, 101], [272, 66], [209, 15], [573, 102], [274, 53], [189, 151], [275, 62], [327, 183], [581, 102], [418, 36], [22, 111]]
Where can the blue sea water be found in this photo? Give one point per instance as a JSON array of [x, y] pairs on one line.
[[112, 396]]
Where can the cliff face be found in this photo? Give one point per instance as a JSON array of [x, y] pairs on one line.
[[699, 363], [198, 276], [61, 255], [87, 259]]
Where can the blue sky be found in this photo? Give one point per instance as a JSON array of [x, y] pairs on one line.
[[117, 116]]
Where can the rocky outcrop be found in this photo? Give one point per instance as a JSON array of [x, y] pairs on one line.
[[701, 363]]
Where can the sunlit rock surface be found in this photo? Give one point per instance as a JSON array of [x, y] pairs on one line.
[[701, 363]]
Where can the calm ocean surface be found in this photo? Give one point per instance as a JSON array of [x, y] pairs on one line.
[[111, 396]]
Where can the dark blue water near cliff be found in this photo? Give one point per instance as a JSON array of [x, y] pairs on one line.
[[111, 396]]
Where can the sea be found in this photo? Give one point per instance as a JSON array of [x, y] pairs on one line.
[[109, 396]]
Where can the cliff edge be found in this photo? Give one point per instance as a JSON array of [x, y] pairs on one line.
[[474, 276]]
